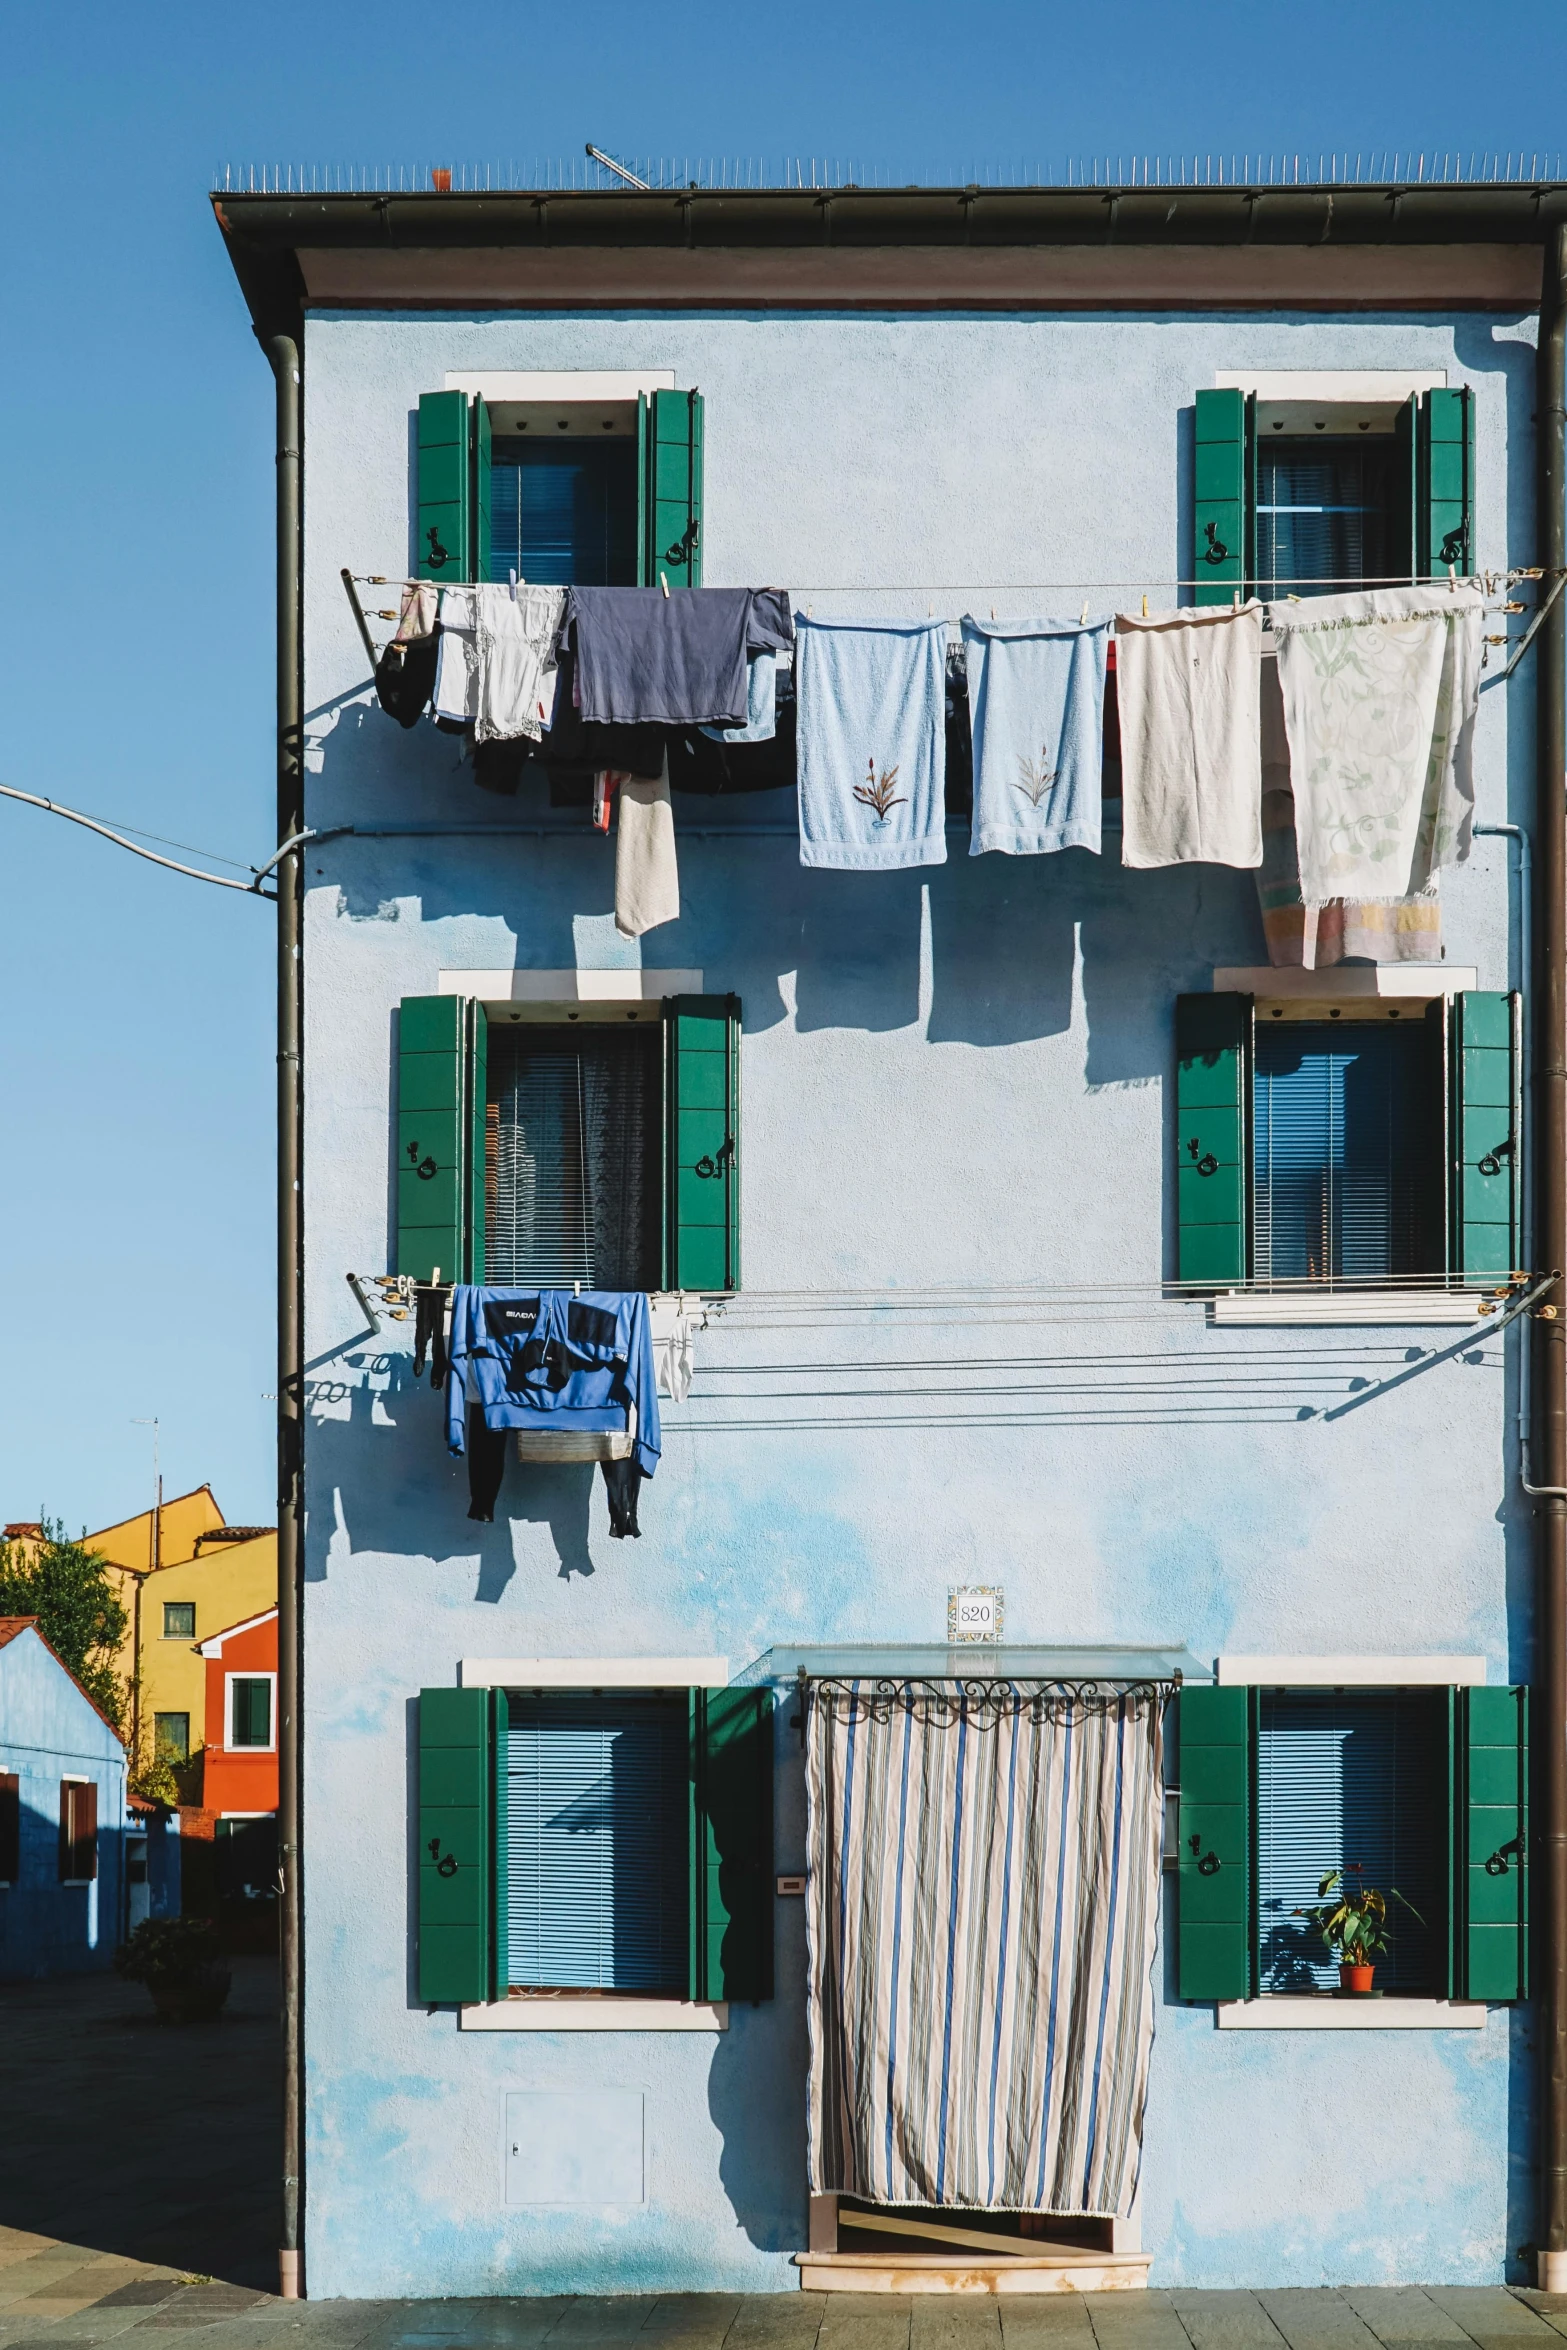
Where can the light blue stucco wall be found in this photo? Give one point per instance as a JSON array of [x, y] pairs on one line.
[[50, 1732], [951, 1079]]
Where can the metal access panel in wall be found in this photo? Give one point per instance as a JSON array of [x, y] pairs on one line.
[[583, 2148]]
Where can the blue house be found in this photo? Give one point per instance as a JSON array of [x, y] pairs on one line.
[[1090, 1291], [62, 1815]]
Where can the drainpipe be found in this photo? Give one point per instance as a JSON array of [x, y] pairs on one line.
[[283, 352], [1549, 1336]]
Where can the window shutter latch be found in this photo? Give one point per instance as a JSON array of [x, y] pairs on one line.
[[426, 1168], [716, 1163], [1491, 1164], [1496, 1866], [684, 547], [1207, 1164], [1215, 551], [438, 554], [1210, 1864], [446, 1867]]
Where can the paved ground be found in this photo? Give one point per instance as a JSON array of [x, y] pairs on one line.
[[140, 2141], [138, 2195]]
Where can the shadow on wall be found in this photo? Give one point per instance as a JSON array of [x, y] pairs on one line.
[[1006, 932], [756, 2089], [404, 1420]]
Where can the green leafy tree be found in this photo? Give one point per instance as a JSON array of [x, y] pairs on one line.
[[67, 1587]]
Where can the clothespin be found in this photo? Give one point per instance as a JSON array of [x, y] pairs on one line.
[[992, 611], [1235, 601], [513, 578], [663, 581], [1082, 618], [1145, 606], [1452, 579]]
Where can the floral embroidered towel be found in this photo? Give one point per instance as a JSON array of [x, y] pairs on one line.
[[1344, 930], [872, 743], [1191, 755], [1036, 691], [1380, 693]]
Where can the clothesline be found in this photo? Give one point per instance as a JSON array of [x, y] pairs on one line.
[[1488, 580]]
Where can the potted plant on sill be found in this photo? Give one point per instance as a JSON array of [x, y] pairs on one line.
[[1354, 1926], [181, 1962]]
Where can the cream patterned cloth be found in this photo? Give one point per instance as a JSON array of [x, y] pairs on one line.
[[515, 636], [1191, 756], [647, 880], [1380, 694]]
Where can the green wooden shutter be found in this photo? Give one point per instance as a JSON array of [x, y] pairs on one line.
[[1487, 1146], [476, 1172], [1444, 483], [1213, 1075], [1223, 494], [441, 1061], [703, 1130], [456, 1855], [1214, 1934], [1490, 1844], [480, 490], [670, 490], [443, 540], [500, 1894], [731, 1949]]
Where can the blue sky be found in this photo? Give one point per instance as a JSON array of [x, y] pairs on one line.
[[135, 412]]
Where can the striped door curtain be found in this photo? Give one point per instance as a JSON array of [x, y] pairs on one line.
[[982, 1918]]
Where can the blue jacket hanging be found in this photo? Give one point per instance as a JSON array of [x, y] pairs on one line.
[[549, 1359]]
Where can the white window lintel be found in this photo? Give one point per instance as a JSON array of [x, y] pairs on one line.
[[1351, 1672], [1352, 385], [593, 1672], [584, 383], [569, 987]]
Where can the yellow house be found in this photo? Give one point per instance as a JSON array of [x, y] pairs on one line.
[[182, 1574]]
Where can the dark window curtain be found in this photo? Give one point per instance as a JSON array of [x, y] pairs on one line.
[[619, 1102], [1326, 511], [574, 1156], [1345, 1153]]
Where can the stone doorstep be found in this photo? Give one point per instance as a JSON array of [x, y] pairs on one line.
[[935, 2272]]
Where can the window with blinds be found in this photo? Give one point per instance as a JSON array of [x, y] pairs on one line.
[[597, 1834], [1351, 1776], [573, 1166], [564, 513], [1330, 509], [1346, 1153]]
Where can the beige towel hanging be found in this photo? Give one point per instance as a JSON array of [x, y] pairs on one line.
[[1191, 756], [647, 880]]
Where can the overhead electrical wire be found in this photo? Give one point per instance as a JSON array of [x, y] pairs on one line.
[[250, 888]]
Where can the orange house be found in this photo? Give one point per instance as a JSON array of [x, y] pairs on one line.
[[241, 1782]]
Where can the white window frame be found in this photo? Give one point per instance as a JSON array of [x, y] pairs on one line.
[[1273, 2011], [229, 1745], [587, 2011], [1310, 995]]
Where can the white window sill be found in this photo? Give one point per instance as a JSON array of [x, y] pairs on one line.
[[1389, 1307], [596, 2015], [1320, 2013]]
